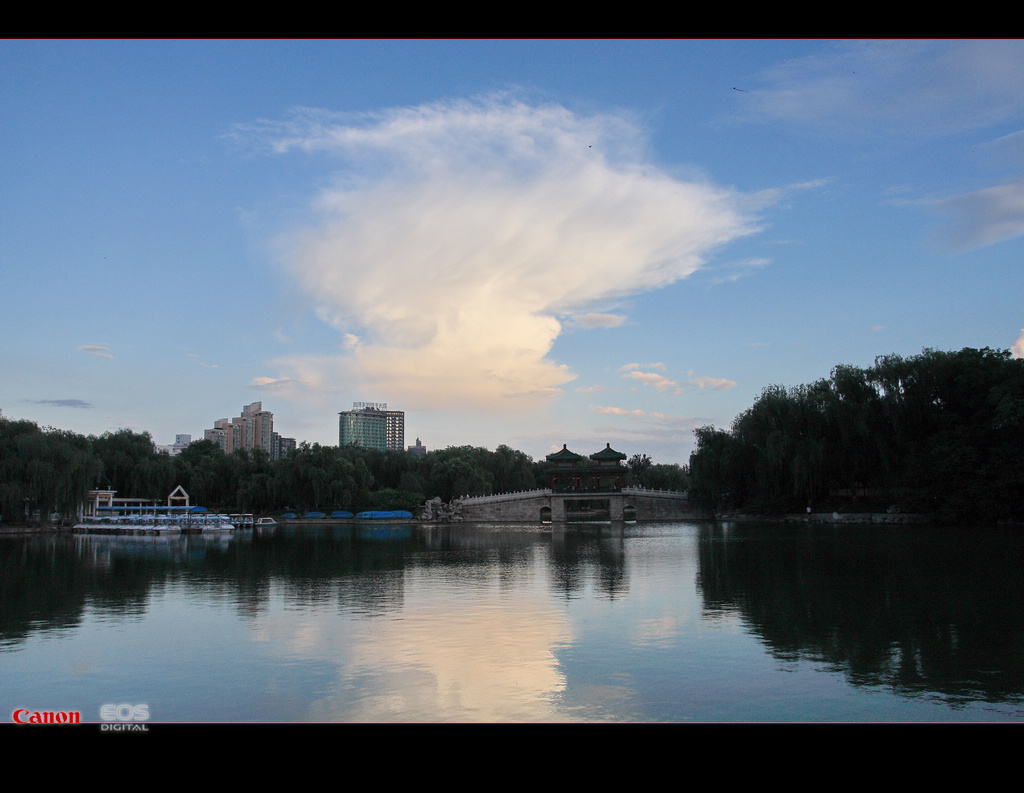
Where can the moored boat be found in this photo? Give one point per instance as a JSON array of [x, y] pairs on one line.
[[151, 519], [205, 522], [129, 524]]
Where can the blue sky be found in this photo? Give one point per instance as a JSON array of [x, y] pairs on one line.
[[531, 243]]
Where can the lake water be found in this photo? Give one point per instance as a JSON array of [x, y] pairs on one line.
[[651, 622]]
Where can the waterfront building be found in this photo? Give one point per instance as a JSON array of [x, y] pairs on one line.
[[372, 426], [601, 471]]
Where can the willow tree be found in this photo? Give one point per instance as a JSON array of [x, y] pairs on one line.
[[43, 471], [939, 432]]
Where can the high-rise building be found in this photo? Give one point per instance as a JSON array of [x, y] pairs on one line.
[[282, 447], [254, 429], [395, 430], [259, 427], [373, 426]]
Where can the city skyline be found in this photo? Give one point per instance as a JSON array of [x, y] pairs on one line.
[[519, 242]]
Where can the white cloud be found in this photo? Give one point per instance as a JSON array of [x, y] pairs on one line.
[[915, 89], [97, 350], [270, 382], [631, 366], [1018, 346], [609, 410], [897, 87], [984, 217], [313, 382], [714, 383], [740, 269], [663, 383], [598, 320], [651, 424], [459, 232], [659, 381], [201, 363]]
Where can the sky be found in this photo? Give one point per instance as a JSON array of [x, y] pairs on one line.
[[530, 243]]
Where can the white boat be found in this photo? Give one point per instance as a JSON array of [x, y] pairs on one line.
[[153, 520], [264, 522], [129, 524], [206, 523]]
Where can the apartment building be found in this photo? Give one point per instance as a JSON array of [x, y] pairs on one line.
[[372, 426], [254, 429]]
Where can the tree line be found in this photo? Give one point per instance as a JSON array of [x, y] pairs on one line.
[[47, 471], [939, 433]]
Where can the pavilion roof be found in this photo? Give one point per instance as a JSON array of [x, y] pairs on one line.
[[564, 455], [607, 453]]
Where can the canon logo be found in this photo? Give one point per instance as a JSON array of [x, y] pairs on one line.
[[25, 716]]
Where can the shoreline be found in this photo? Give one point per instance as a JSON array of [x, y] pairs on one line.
[[852, 518], [857, 519], [874, 518], [24, 528]]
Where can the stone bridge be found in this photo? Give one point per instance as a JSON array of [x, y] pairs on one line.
[[534, 506]]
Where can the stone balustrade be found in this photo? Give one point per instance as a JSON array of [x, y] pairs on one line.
[[498, 497]]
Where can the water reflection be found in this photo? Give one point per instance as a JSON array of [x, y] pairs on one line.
[[455, 661], [578, 552], [915, 609], [506, 623]]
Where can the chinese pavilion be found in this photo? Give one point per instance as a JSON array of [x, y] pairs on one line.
[[602, 472]]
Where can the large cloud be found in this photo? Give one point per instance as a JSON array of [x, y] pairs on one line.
[[458, 235]]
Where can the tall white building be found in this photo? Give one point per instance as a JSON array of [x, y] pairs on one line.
[[372, 426]]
